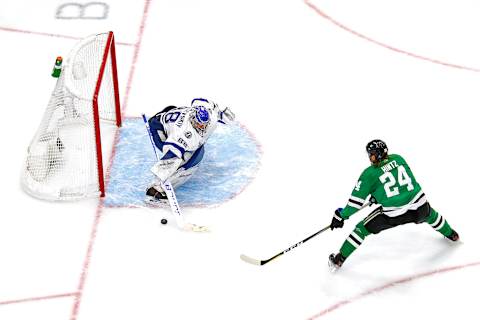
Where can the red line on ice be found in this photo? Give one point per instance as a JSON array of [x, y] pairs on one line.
[[386, 46], [33, 299], [369, 292], [38, 33], [135, 53], [100, 207]]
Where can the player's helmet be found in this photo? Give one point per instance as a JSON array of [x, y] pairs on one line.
[[377, 151], [200, 118]]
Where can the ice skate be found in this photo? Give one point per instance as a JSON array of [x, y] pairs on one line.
[[454, 236], [335, 261]]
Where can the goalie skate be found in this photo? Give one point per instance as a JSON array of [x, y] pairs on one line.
[[156, 198], [155, 202]]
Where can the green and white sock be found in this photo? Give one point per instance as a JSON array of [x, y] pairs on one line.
[[354, 240], [439, 223]]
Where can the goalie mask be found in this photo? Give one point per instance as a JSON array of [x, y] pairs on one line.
[[200, 119]]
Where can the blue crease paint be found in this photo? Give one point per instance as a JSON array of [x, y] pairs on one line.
[[232, 158]]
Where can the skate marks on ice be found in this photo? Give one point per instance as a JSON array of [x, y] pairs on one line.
[[379, 276], [390, 285], [230, 163]]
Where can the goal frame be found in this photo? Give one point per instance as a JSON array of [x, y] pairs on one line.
[[109, 48]]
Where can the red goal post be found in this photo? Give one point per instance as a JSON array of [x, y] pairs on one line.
[[64, 159]]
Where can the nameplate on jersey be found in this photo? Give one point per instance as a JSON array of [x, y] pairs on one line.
[[390, 166]]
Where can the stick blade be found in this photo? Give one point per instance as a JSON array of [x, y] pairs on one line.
[[195, 228], [247, 259]]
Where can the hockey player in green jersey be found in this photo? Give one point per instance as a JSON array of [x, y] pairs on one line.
[[390, 183]]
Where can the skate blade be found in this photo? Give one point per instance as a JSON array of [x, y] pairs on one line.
[[332, 266], [151, 201]]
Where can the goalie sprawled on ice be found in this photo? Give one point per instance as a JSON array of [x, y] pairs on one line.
[[180, 134]]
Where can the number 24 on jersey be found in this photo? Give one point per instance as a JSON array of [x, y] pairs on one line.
[[390, 182]]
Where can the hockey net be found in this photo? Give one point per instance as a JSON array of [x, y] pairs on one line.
[[64, 159]]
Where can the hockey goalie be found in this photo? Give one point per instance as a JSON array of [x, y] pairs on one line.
[[180, 133]]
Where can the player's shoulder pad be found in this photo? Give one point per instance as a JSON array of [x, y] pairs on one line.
[[396, 157], [368, 173]]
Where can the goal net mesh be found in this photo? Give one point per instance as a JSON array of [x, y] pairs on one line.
[[64, 159]]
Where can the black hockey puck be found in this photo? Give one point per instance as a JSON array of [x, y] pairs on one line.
[[164, 221]]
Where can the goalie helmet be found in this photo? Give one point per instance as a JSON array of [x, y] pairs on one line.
[[377, 151], [200, 118]]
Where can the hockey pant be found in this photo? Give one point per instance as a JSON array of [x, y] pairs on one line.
[[377, 221]]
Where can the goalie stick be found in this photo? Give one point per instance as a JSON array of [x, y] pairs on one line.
[[172, 199], [256, 262]]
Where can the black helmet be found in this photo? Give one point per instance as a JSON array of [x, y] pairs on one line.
[[377, 151]]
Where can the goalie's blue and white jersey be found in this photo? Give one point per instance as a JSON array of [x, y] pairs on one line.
[[174, 133]]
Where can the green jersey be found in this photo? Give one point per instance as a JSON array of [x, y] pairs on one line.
[[391, 183]]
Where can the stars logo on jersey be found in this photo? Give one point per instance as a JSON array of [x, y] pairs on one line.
[[188, 134], [357, 186]]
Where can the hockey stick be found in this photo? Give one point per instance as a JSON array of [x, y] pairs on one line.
[[262, 262], [150, 136], [172, 199]]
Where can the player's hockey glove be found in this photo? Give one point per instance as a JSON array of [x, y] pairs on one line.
[[337, 220], [226, 116]]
